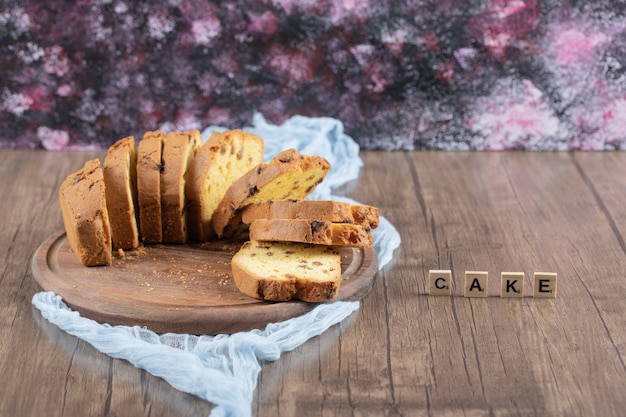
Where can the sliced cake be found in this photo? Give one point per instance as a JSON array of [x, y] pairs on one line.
[[224, 158], [179, 149], [282, 271], [311, 231], [321, 210], [85, 217], [149, 186], [289, 175], [120, 179]]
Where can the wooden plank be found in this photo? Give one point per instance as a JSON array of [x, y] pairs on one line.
[[505, 211], [403, 352]]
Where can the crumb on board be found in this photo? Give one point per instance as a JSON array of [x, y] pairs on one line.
[[131, 253], [137, 252]]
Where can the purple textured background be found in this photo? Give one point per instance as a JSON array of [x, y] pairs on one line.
[[422, 74]]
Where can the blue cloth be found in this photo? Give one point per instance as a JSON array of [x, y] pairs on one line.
[[223, 369]]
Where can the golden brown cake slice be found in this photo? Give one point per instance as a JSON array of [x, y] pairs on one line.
[[321, 210], [281, 271], [224, 158], [179, 150], [120, 179], [149, 186], [311, 231], [85, 216], [289, 175]]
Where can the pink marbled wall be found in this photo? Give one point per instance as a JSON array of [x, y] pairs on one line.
[[413, 74]]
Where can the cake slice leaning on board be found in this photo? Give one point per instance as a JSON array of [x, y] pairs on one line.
[[179, 150], [85, 216], [149, 169], [120, 179], [224, 158]]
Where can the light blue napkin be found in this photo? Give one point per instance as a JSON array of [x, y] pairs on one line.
[[223, 369]]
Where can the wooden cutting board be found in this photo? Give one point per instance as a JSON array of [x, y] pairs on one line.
[[177, 288]]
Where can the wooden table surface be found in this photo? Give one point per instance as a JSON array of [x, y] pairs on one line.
[[404, 353]]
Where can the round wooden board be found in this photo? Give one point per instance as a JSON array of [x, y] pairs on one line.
[[177, 288]]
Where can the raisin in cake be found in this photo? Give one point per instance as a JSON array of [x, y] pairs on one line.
[[149, 186], [120, 179], [281, 271], [289, 175], [179, 149], [224, 158], [85, 216]]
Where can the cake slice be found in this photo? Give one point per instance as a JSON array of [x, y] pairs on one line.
[[281, 271], [85, 217], [321, 210], [311, 231], [179, 150], [224, 158], [149, 186], [289, 175], [120, 179]]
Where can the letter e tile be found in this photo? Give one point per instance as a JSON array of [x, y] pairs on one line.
[[512, 284], [545, 285], [476, 283], [440, 282]]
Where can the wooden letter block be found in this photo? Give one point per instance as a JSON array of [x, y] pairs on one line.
[[476, 283], [440, 282], [512, 284], [545, 285]]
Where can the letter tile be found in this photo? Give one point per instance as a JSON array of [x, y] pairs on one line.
[[512, 284], [476, 283], [545, 285], [440, 282]]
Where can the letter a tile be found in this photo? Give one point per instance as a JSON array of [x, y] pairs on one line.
[[512, 284], [440, 282], [476, 283], [545, 285]]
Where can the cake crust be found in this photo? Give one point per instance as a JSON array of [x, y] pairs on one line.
[[311, 231], [85, 216], [149, 186], [120, 178], [321, 210], [178, 151], [282, 271]]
